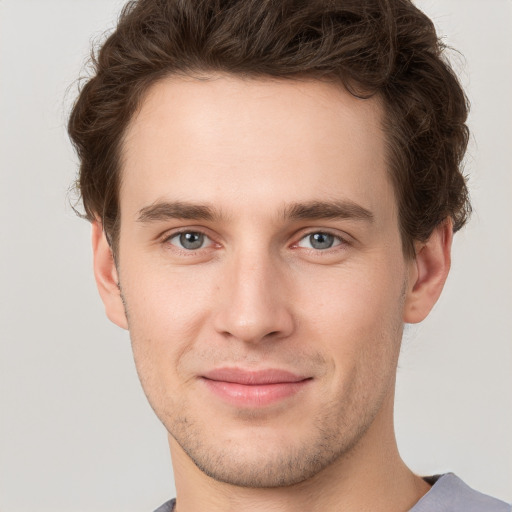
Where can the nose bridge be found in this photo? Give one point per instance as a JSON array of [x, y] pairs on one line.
[[254, 304]]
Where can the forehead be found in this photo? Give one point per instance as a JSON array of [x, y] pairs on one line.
[[233, 141]]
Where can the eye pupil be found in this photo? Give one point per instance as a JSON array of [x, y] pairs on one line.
[[321, 240], [191, 240]]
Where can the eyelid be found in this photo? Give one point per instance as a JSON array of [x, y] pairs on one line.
[[205, 238], [337, 240], [342, 243], [343, 239], [168, 235]]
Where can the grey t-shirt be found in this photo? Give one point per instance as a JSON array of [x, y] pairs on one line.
[[448, 494]]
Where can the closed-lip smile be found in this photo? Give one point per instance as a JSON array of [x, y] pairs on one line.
[[253, 388]]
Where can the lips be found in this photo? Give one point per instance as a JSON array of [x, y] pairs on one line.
[[260, 388]]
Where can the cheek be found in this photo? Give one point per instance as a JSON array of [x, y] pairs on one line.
[[166, 311], [356, 314], [166, 298]]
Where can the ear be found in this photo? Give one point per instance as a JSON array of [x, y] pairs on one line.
[[428, 273], [105, 273]]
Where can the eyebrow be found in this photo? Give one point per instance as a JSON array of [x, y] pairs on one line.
[[163, 211], [312, 210]]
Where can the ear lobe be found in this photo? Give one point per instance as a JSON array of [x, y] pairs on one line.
[[105, 273], [428, 273]]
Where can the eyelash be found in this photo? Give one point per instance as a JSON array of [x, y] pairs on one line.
[[339, 241], [188, 252]]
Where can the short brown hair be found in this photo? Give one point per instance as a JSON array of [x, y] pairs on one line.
[[383, 47]]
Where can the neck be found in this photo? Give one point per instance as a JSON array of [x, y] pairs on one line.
[[371, 477]]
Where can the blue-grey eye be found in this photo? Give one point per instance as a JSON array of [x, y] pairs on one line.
[[189, 240], [319, 241]]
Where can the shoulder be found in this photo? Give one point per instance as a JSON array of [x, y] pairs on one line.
[[168, 506], [450, 494]]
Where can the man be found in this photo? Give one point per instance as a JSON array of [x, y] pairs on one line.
[[273, 188]]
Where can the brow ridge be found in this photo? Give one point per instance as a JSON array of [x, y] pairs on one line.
[[340, 209], [311, 210], [161, 211]]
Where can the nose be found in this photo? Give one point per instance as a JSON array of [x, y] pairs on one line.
[[254, 304]]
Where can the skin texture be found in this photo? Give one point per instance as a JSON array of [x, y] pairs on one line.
[[240, 155]]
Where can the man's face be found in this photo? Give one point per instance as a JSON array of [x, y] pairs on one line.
[[262, 271]]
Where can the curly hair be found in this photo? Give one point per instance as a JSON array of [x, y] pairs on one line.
[[387, 48]]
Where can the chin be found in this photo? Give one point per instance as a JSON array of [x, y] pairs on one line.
[[266, 457]]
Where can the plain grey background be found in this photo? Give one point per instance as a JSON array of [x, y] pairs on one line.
[[76, 433]]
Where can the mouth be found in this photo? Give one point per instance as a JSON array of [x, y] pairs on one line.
[[244, 388]]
